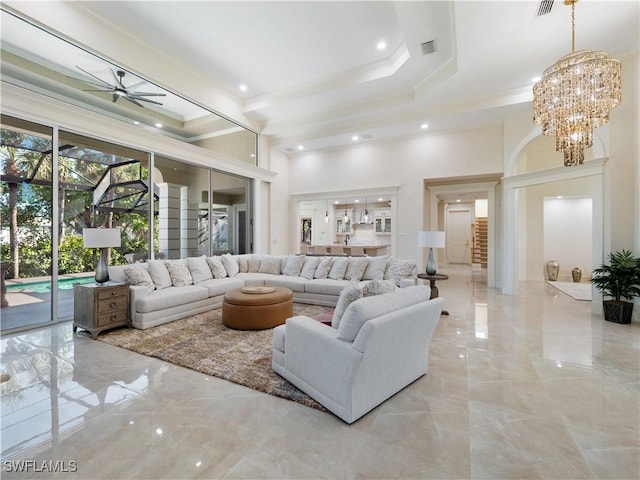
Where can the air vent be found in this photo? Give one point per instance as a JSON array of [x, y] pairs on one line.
[[366, 136], [289, 149], [429, 47], [545, 7]]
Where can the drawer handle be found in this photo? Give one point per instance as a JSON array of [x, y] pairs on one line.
[[113, 317], [113, 293], [113, 304]]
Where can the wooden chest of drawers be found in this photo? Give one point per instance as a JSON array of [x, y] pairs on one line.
[[100, 307]]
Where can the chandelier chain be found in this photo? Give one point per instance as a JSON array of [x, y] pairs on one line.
[[573, 27]]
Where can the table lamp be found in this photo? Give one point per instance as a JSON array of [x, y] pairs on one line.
[[431, 240], [101, 238]]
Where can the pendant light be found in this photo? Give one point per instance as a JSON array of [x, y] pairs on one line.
[[326, 212], [366, 211], [346, 218]]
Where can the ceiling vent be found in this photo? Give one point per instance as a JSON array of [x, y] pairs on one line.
[[289, 149], [429, 47], [545, 7], [366, 136]]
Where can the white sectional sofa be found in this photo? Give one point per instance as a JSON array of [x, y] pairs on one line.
[[167, 290]]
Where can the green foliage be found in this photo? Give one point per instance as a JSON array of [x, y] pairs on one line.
[[73, 257], [621, 278]]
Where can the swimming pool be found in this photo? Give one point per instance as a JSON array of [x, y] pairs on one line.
[[45, 286]]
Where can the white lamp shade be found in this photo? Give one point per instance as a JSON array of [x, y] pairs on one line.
[[431, 239], [101, 237]]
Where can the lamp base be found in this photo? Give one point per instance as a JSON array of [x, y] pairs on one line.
[[431, 263], [102, 272]]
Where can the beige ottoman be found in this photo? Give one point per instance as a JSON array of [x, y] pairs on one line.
[[256, 311]]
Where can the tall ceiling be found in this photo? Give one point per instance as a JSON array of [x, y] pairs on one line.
[[315, 77]]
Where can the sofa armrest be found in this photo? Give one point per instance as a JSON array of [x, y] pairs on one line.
[[317, 357], [136, 292]]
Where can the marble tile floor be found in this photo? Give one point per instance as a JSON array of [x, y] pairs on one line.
[[526, 386]]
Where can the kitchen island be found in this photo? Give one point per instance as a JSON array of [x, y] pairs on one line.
[[346, 250]]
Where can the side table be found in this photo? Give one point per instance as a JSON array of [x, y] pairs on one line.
[[98, 307], [432, 283]]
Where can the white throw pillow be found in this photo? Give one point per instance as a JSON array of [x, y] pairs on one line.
[[159, 274], [217, 269], [294, 265], [253, 264], [349, 294], [309, 267], [270, 265], [399, 269], [376, 268], [338, 268], [243, 262], [324, 267], [378, 287], [179, 273], [139, 276], [199, 269], [230, 265], [356, 268]]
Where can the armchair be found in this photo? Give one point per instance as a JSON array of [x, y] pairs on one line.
[[380, 346]]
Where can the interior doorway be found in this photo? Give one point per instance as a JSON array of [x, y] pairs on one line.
[[458, 234]]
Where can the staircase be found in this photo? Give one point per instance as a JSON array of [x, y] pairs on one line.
[[479, 251]]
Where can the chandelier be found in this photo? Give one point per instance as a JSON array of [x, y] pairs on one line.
[[576, 95]]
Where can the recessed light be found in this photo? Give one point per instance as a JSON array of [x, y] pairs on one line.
[[300, 147], [355, 138], [381, 45], [381, 199], [424, 126], [458, 201], [243, 87], [336, 202], [136, 122], [253, 155], [158, 125], [357, 201]]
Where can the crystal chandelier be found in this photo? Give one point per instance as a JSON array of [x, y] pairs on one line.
[[575, 96]]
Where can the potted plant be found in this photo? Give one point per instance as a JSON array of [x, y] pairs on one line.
[[618, 280]]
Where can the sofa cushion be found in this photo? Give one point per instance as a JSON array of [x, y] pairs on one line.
[[324, 267], [295, 284], [253, 265], [294, 265], [170, 297], [326, 286], [139, 276], [367, 308], [338, 268], [159, 274], [270, 265], [179, 273], [349, 294], [199, 269], [399, 269], [376, 268], [218, 286], [116, 272], [309, 267], [378, 287], [356, 268], [243, 262], [216, 266], [230, 265]]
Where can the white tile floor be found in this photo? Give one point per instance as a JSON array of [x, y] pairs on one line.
[[527, 386]]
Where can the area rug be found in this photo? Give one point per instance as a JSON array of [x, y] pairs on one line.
[[579, 291], [202, 343]]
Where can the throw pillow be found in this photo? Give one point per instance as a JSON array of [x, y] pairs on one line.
[[349, 294], [338, 268], [253, 264], [309, 267], [378, 287], [217, 269], [376, 268], [179, 272], [294, 265], [230, 265], [324, 267], [199, 269], [356, 268], [159, 274], [399, 269], [139, 276], [243, 263], [270, 265]]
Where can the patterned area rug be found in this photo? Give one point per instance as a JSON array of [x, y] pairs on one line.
[[204, 344]]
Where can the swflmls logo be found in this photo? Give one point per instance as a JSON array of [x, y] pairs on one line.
[[25, 466]]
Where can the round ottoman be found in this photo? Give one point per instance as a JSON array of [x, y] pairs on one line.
[[256, 311]]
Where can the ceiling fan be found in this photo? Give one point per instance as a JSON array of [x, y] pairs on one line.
[[120, 90]]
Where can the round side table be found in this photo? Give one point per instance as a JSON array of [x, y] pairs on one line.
[[432, 283]]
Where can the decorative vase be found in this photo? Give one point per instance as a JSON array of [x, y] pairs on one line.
[[576, 274], [553, 268]]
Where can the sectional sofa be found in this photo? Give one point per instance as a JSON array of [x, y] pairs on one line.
[[166, 290]]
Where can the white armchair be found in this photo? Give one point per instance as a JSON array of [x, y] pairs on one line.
[[381, 345]]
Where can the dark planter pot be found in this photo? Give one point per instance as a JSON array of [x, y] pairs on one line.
[[617, 311]]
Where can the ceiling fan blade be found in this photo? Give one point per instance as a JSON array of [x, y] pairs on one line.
[[101, 90], [129, 97], [132, 100], [145, 94], [136, 85], [97, 78]]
